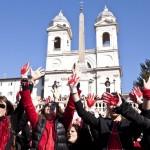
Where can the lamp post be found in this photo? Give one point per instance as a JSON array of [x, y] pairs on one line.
[[89, 85], [107, 85], [114, 81]]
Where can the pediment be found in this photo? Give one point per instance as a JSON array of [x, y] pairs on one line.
[[105, 23], [60, 28], [57, 27]]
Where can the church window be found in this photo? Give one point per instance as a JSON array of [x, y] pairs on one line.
[[67, 42], [106, 39], [96, 105], [57, 43], [104, 107], [10, 84]]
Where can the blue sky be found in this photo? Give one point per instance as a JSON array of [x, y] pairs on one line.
[[23, 34]]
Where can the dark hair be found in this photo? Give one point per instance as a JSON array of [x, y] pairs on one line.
[[53, 104], [9, 105], [76, 126]]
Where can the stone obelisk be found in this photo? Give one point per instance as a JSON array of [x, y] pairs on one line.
[[81, 60]]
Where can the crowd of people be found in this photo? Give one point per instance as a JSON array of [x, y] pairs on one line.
[[77, 127]]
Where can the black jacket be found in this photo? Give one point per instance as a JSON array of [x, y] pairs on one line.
[[85, 139], [126, 129], [61, 141], [141, 120], [16, 119]]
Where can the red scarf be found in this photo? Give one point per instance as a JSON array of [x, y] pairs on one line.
[[114, 142], [4, 132]]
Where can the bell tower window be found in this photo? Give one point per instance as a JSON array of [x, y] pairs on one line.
[[57, 43], [106, 39]]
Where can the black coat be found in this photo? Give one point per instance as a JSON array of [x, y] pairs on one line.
[[126, 129], [141, 120], [17, 123], [61, 141], [85, 139]]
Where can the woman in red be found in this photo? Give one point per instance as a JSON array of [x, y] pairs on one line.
[[49, 129]]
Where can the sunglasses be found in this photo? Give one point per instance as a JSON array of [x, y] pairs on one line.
[[2, 106]]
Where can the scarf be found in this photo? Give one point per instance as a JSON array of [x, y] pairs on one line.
[[114, 142], [4, 132]]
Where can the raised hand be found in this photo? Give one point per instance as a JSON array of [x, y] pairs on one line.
[[90, 100], [37, 74], [136, 95], [147, 84], [73, 81], [25, 70], [112, 100], [146, 89]]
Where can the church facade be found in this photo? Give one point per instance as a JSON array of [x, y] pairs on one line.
[[101, 70]]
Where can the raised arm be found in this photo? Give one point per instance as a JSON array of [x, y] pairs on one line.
[[146, 94], [70, 109], [69, 112], [131, 114], [30, 110], [125, 109], [86, 116]]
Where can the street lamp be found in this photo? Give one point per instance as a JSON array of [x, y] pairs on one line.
[[90, 82], [107, 85], [114, 81]]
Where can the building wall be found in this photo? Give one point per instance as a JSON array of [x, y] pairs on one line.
[[101, 63], [10, 87]]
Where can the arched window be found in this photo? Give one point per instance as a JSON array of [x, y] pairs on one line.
[[57, 43], [96, 105], [106, 39]]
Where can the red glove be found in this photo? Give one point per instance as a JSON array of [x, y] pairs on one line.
[[90, 100], [24, 70], [110, 99], [146, 90], [146, 94], [73, 81], [136, 95]]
